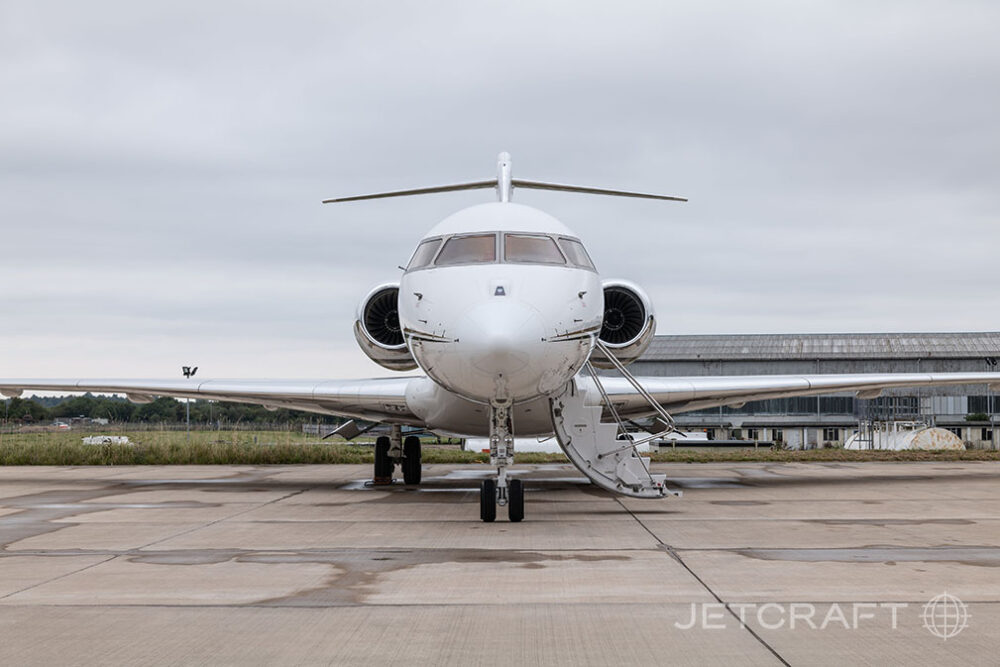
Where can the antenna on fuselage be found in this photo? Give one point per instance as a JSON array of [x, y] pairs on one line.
[[505, 185]]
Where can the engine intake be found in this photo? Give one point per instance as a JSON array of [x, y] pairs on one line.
[[378, 332], [629, 323]]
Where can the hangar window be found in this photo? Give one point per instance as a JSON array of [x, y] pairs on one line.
[[831, 434], [531, 248], [576, 253], [424, 254], [475, 249], [987, 434]]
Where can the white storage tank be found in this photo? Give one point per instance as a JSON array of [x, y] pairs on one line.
[[904, 435]]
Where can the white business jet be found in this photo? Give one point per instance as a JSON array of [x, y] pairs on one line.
[[503, 310]]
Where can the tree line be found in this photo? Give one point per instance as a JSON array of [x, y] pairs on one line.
[[164, 409]]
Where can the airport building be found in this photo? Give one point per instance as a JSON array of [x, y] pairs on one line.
[[968, 410]]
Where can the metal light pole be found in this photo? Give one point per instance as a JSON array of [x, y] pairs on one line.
[[188, 372]]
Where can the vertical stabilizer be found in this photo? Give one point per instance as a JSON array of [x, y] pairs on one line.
[[504, 179]]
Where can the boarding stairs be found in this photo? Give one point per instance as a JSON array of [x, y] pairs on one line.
[[595, 448]]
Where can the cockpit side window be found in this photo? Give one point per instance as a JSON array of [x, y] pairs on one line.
[[576, 253], [531, 248], [424, 254], [474, 249]]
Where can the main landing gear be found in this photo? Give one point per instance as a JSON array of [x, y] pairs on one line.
[[393, 449], [501, 491]]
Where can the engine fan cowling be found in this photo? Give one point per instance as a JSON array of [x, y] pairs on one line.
[[629, 323], [378, 331]]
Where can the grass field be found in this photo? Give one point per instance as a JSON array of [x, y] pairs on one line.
[[288, 447]]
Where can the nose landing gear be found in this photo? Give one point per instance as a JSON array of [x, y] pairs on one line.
[[501, 491], [489, 498]]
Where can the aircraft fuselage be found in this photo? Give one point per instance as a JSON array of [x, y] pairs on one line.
[[500, 304]]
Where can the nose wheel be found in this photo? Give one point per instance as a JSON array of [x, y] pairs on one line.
[[490, 497], [488, 500], [515, 501]]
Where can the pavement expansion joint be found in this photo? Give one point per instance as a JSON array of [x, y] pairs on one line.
[[670, 551]]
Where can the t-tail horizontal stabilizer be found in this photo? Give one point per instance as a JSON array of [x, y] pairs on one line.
[[505, 184]]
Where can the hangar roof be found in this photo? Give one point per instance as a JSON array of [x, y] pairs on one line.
[[825, 346]]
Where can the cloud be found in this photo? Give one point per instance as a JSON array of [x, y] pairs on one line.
[[161, 165]]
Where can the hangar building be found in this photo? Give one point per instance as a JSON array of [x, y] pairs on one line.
[[811, 421]]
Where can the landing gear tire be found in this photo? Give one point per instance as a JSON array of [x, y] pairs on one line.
[[383, 462], [515, 504], [488, 500], [411, 460]]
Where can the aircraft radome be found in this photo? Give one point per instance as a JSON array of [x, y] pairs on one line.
[[502, 309]]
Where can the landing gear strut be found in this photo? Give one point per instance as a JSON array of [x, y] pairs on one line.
[[392, 449], [501, 491]]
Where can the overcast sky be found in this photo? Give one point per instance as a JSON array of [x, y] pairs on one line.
[[162, 164]]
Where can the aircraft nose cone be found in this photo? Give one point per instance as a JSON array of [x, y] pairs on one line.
[[501, 338]]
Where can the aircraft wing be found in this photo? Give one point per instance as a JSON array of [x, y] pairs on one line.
[[384, 399], [380, 399], [684, 394]]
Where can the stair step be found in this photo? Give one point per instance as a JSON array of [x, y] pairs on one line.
[[593, 447]]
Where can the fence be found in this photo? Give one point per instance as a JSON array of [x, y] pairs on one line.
[[142, 427]]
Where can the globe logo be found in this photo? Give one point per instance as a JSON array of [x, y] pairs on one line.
[[945, 616]]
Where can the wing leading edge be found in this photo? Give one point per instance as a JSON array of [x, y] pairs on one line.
[[684, 394], [378, 399], [384, 399]]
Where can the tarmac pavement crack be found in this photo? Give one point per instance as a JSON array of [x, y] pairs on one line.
[[225, 518], [669, 550], [57, 578]]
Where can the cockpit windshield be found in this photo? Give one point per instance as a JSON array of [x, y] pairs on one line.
[[482, 248], [531, 248], [576, 253], [475, 249], [424, 254]]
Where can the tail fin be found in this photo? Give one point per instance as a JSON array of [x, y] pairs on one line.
[[505, 185]]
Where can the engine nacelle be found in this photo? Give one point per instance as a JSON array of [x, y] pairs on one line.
[[378, 331], [629, 323]]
